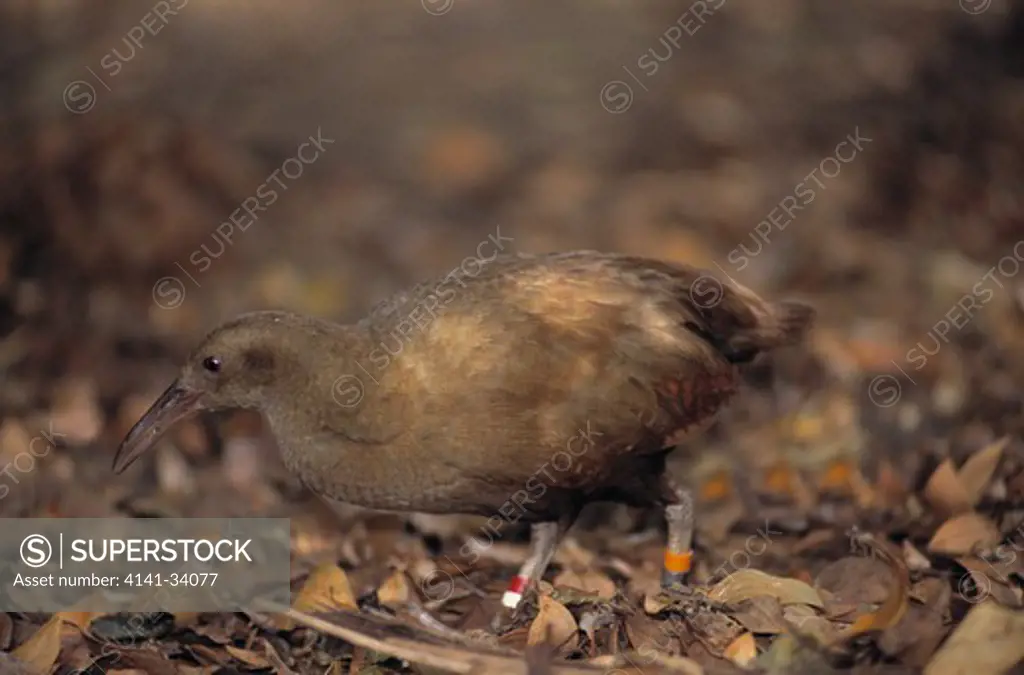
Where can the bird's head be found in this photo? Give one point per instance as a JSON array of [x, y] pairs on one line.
[[253, 362]]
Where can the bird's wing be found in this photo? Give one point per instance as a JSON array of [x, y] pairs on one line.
[[532, 349], [632, 338]]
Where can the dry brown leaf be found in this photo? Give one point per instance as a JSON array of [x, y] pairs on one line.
[[197, 670], [813, 540], [760, 615], [208, 655], [914, 639], [655, 602], [552, 614], [716, 630], [214, 632], [746, 584], [987, 641], [41, 650], [895, 605], [649, 635], [946, 493], [853, 581], [742, 651], [247, 657], [963, 534], [589, 581], [978, 469], [151, 660]]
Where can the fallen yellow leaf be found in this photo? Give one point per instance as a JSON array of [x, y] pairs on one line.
[[555, 616], [746, 584], [327, 589], [742, 651], [394, 592]]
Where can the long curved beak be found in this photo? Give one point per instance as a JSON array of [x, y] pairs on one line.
[[174, 405]]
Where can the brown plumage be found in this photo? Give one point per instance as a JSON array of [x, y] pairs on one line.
[[528, 387]]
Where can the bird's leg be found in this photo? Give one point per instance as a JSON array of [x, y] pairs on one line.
[[679, 547], [544, 538]]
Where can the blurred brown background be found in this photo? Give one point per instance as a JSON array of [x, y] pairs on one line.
[[165, 166], [132, 134]]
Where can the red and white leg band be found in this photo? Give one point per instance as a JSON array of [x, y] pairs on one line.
[[514, 594]]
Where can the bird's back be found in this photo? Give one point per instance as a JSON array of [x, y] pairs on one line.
[[585, 356]]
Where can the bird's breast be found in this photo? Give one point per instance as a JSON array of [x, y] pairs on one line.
[[391, 477]]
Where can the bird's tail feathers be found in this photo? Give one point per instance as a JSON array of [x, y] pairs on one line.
[[784, 323], [790, 321]]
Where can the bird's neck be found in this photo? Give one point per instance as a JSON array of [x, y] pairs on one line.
[[321, 404]]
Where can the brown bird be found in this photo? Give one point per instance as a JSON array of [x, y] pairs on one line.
[[522, 389]]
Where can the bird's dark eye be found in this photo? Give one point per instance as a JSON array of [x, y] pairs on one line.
[[211, 364]]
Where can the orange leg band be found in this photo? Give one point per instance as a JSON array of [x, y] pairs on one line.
[[678, 563]]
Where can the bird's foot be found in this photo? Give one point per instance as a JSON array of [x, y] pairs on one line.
[[512, 603], [674, 581], [504, 620]]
